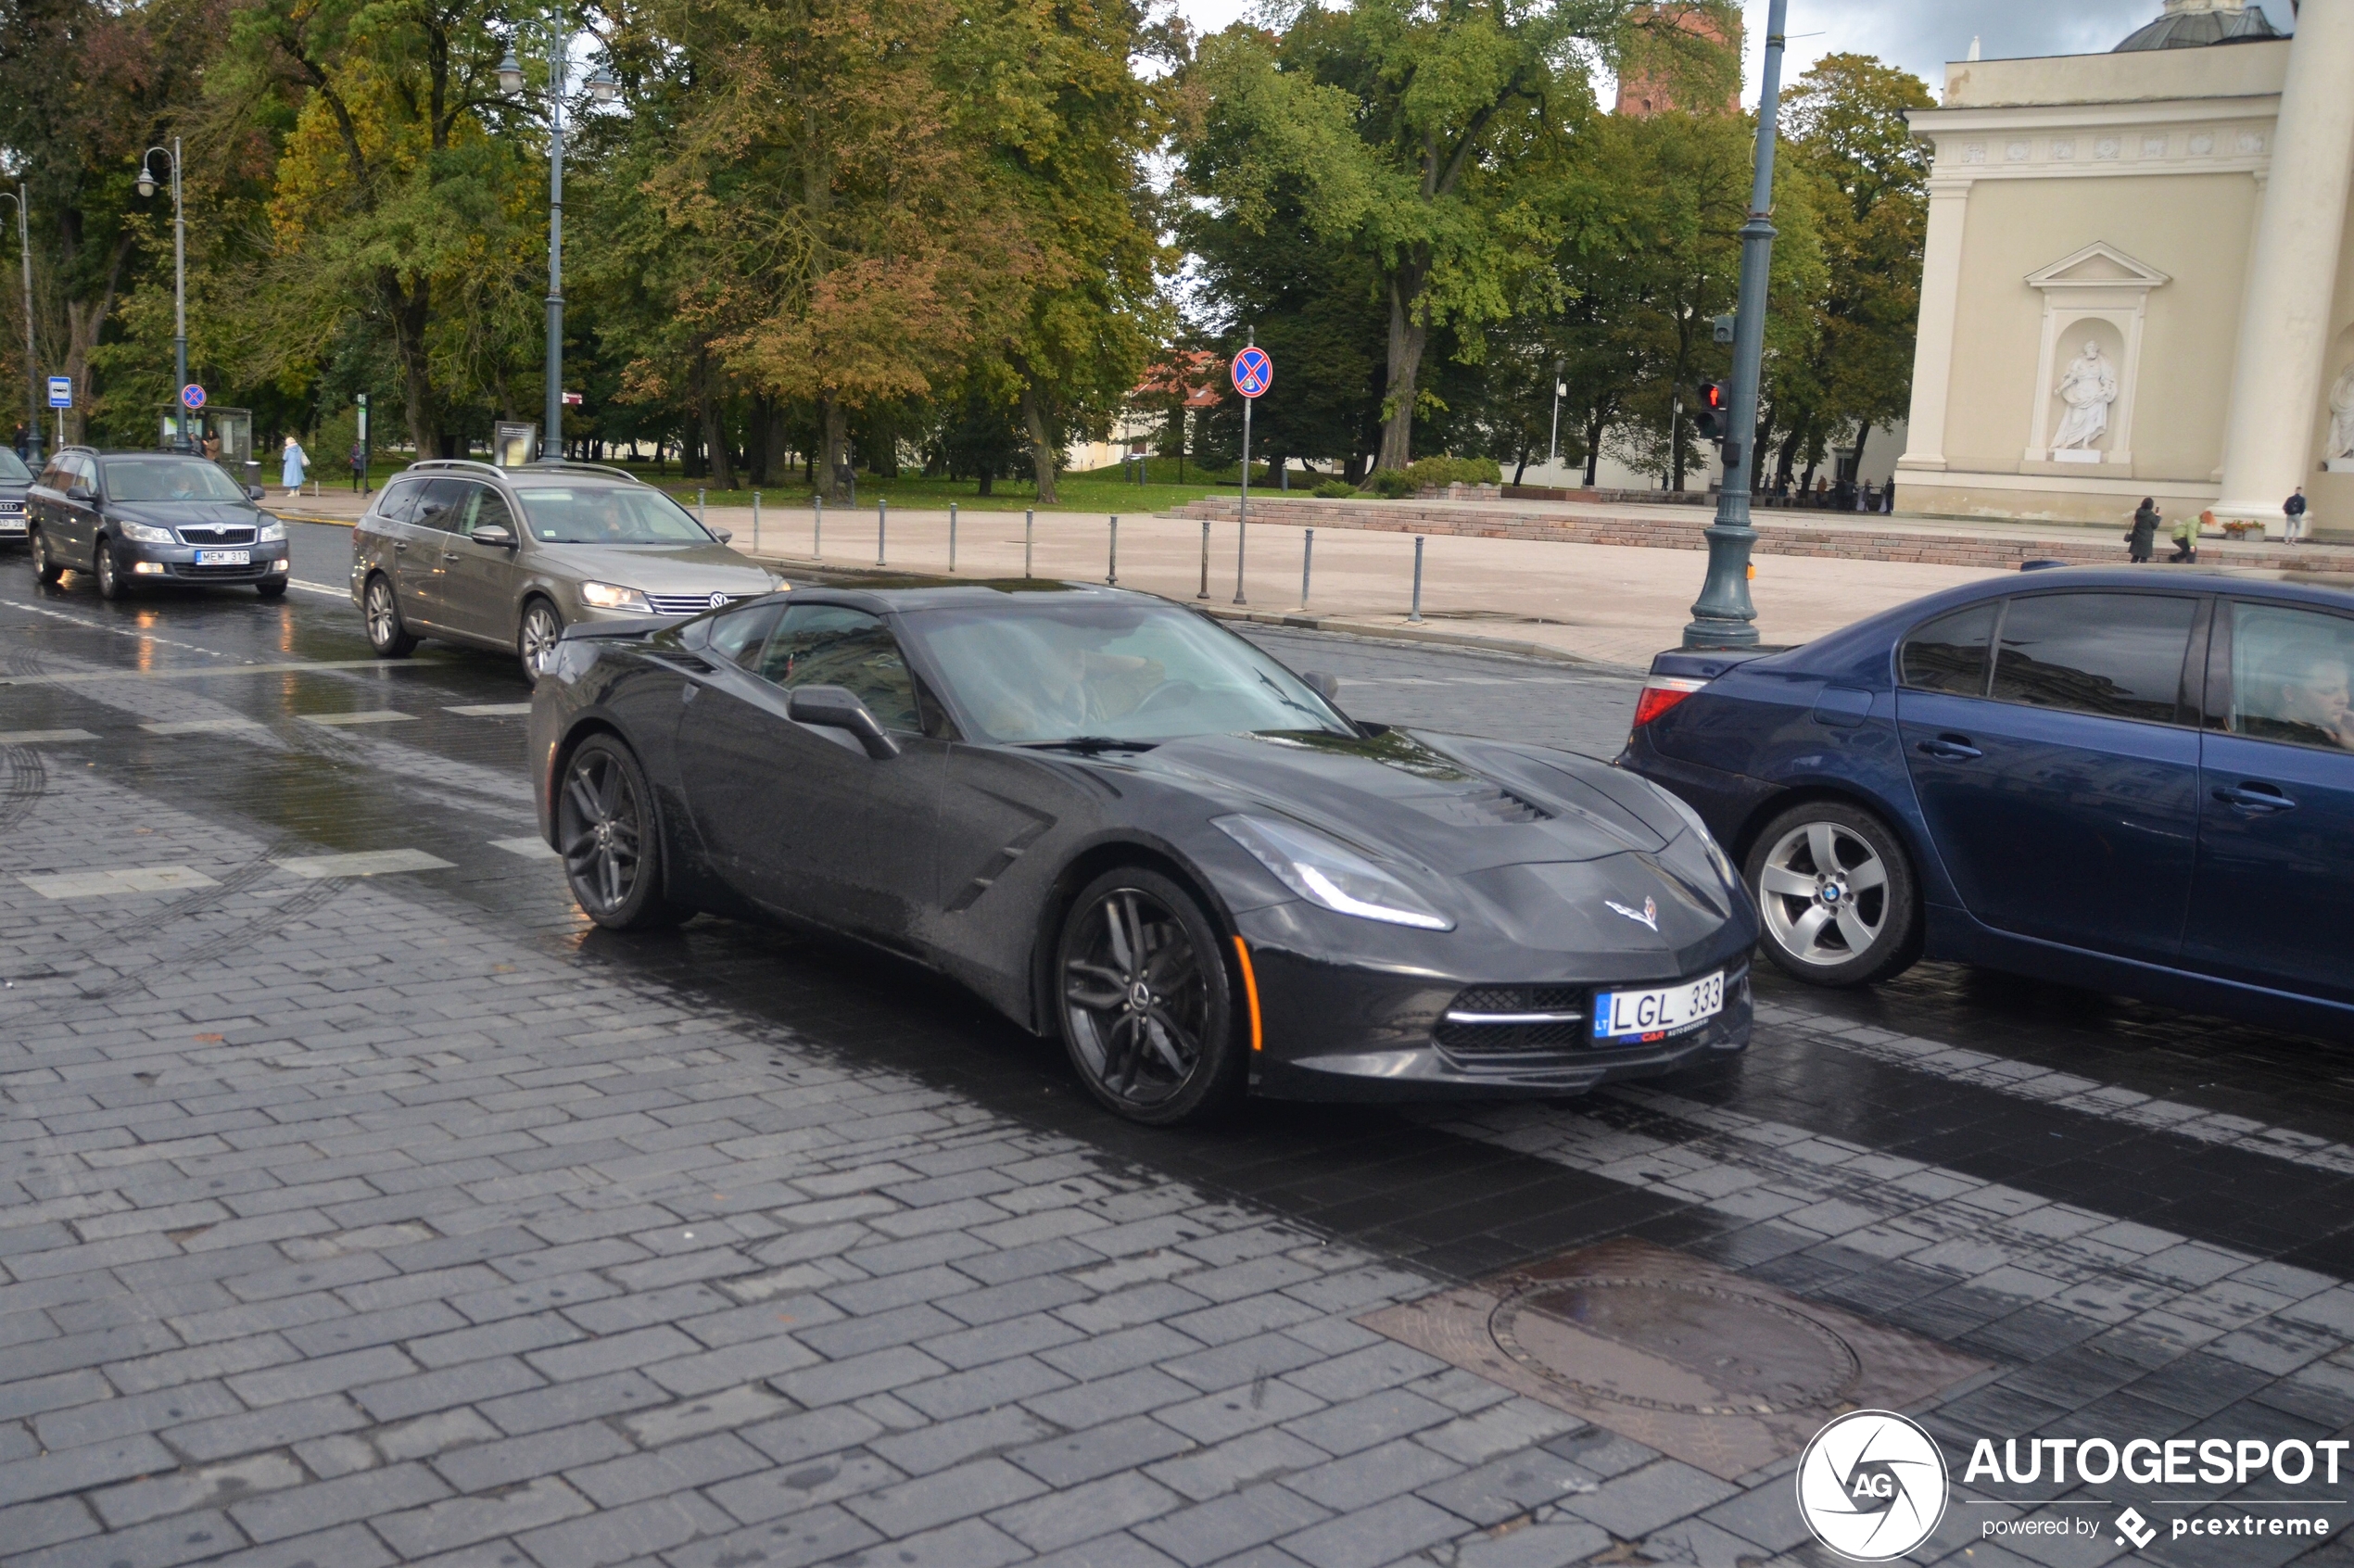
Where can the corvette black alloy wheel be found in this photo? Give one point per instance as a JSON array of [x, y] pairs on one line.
[[606, 833], [1147, 1013]]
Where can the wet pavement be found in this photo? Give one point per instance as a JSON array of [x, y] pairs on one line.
[[364, 1205]]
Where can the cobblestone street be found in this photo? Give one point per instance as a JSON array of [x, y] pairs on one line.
[[364, 1205]]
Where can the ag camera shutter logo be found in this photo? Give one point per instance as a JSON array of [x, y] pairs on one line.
[[1871, 1485]]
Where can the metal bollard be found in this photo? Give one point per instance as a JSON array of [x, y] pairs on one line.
[[1111, 578], [1416, 613], [1306, 562], [881, 506], [698, 503], [952, 537], [818, 527], [755, 522], [1205, 559], [1028, 522]]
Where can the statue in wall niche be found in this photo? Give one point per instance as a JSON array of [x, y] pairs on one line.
[[2088, 388], [2342, 416]]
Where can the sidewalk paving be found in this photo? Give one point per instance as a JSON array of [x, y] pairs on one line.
[[1615, 603]]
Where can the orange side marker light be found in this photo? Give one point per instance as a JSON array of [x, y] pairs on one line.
[[1251, 989]]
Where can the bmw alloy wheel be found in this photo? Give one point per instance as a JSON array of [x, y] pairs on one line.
[[1823, 891], [1136, 998], [537, 642]]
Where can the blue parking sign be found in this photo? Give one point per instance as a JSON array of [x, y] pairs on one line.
[[61, 391]]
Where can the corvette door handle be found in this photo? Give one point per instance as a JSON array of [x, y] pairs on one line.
[[1949, 748], [2263, 800]]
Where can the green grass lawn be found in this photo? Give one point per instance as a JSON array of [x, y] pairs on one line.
[[1102, 491]]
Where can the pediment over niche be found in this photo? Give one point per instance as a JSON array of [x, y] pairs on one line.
[[2098, 265]]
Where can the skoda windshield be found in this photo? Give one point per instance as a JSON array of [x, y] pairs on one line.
[[169, 479], [1041, 672], [607, 514]]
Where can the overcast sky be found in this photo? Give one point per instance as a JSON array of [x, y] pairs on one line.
[[1921, 35]]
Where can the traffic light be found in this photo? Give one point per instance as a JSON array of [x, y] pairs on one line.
[[1710, 420]]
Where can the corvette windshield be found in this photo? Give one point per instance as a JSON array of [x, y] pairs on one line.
[[607, 514], [1043, 671], [169, 479]]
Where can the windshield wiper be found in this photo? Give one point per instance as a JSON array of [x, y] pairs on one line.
[[1090, 744]]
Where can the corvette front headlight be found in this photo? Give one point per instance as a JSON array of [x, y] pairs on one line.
[[610, 596], [1327, 872], [143, 533]]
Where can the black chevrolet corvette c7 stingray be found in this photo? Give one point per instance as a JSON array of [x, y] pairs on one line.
[[1129, 828]]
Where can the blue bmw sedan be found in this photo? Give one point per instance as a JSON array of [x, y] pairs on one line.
[[2122, 779]]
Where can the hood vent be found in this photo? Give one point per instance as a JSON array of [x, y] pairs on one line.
[[1484, 807]]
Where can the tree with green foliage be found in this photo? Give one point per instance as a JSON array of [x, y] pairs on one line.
[[1866, 180]]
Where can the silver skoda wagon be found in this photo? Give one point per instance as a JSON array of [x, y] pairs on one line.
[[508, 557]]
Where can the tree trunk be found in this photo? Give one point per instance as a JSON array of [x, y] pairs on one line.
[[1520, 470], [1042, 454], [410, 311], [835, 420], [1406, 338], [84, 323], [715, 431], [1595, 424]]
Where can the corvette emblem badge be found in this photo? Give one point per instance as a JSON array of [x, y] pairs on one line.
[[1647, 916]]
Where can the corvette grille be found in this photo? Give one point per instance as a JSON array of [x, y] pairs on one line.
[[1514, 1018], [691, 603]]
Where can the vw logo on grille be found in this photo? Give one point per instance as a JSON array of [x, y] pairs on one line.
[[718, 601]]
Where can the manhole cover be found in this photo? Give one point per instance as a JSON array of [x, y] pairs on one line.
[[1664, 1345]]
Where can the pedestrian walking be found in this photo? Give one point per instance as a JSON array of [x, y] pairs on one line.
[[2294, 509], [19, 440], [2141, 543], [2187, 530], [292, 462], [359, 468]]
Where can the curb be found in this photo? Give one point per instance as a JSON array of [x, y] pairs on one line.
[[804, 570]]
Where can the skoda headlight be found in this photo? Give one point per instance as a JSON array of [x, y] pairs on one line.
[[1327, 872], [272, 533], [607, 596], [145, 533]]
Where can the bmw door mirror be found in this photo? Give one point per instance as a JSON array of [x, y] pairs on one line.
[[1325, 686], [494, 536], [833, 707]]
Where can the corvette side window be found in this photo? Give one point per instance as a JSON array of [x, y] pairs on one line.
[[1952, 653], [832, 645], [737, 634]]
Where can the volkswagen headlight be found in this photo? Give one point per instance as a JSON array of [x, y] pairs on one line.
[[1327, 872], [609, 596], [145, 532], [273, 533]]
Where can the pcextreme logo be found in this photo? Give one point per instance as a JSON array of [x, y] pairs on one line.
[[1871, 1485]]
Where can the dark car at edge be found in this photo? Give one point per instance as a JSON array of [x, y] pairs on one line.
[[2133, 781], [1127, 828]]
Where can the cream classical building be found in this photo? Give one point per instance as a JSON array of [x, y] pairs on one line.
[[2139, 279]]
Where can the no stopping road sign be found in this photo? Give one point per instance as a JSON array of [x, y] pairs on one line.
[[1253, 371]]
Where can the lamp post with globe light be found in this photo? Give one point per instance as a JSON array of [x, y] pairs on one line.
[[179, 283], [602, 89]]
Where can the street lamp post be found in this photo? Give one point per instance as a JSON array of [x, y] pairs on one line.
[[1553, 453], [1723, 617], [32, 370], [179, 283], [602, 89]]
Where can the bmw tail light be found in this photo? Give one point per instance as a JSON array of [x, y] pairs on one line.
[[1661, 694]]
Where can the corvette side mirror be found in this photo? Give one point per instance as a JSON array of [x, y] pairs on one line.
[[832, 707]]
